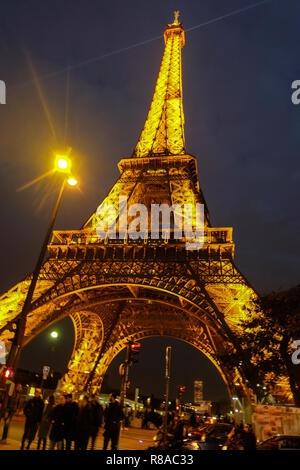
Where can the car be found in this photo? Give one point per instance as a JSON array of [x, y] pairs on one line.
[[280, 442], [212, 436], [171, 444]]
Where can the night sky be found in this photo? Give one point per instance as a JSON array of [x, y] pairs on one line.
[[96, 64]]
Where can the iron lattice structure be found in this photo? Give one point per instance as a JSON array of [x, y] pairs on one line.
[[116, 290]]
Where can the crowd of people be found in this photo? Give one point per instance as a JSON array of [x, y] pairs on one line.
[[69, 425]]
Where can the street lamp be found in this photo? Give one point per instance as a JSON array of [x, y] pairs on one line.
[[47, 368], [72, 181], [62, 163], [63, 166]]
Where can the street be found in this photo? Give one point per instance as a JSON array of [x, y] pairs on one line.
[[134, 438]]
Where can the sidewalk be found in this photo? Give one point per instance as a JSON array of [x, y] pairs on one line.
[[10, 444], [133, 438]]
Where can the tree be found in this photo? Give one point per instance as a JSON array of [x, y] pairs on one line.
[[267, 340]]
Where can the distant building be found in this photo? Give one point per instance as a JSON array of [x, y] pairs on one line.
[[198, 392], [204, 408]]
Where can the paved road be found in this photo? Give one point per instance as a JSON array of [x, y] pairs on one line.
[[134, 438]]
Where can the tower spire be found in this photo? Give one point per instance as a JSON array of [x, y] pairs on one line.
[[176, 16], [163, 132]]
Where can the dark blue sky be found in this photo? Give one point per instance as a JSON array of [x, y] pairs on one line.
[[240, 121]]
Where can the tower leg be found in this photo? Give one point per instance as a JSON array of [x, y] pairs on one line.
[[88, 338]]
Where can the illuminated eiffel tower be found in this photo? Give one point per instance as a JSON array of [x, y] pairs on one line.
[[124, 289]]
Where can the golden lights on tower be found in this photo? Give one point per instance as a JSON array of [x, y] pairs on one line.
[[163, 132]]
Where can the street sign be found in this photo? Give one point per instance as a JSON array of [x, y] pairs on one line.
[[46, 370], [2, 352]]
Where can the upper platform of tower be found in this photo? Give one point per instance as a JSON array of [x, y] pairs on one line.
[[163, 131]]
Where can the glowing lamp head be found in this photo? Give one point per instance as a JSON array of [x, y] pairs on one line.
[[54, 334], [62, 163], [72, 181]]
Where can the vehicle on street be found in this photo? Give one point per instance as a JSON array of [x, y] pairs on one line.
[[211, 436], [170, 443], [280, 442]]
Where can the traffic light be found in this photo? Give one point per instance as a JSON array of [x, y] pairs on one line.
[[181, 391], [7, 373], [133, 350]]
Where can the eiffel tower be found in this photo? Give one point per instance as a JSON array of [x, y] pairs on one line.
[[116, 290]]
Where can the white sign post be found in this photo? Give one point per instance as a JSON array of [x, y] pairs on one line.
[[46, 370]]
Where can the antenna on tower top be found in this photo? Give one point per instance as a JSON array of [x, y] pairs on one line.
[[176, 16]]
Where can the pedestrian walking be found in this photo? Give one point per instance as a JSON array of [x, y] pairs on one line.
[[145, 419], [170, 416], [57, 425], [112, 418], [12, 407], [156, 419], [248, 438], [70, 420], [126, 418], [96, 418], [193, 422], [84, 424], [45, 423], [234, 438], [176, 429], [33, 410]]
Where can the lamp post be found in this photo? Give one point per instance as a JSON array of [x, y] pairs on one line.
[[167, 378], [63, 166], [47, 368]]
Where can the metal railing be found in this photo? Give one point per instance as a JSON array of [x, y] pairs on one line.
[[81, 237]]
